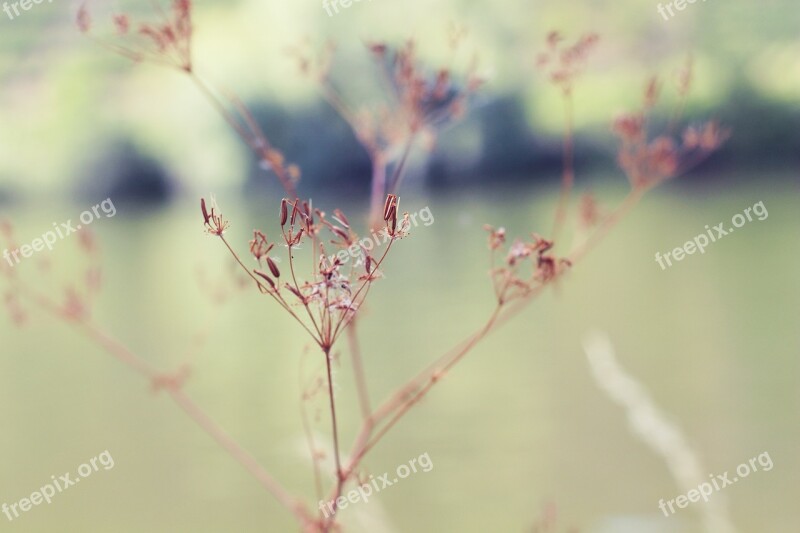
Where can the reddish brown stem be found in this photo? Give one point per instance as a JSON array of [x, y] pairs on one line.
[[334, 421], [401, 402], [254, 138], [211, 428]]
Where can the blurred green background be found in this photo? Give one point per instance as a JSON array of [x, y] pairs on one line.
[[520, 422]]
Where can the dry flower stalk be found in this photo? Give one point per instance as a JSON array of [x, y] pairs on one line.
[[168, 42], [326, 300], [419, 102]]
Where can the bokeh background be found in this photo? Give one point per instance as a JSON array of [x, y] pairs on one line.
[[520, 423]]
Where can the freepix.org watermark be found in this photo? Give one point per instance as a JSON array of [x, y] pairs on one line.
[[680, 5], [363, 492], [719, 482], [24, 4], [327, 5], [59, 232], [701, 241], [57, 486], [356, 251]]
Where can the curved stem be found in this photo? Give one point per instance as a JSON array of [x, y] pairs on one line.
[[608, 224], [410, 394], [254, 139], [266, 290], [187, 405]]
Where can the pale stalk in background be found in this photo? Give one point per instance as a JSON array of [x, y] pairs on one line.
[[651, 426]]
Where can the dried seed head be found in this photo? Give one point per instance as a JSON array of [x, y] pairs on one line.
[[294, 172], [295, 292], [339, 232], [273, 267], [122, 23], [651, 92], [260, 246], [379, 49], [83, 19], [629, 127], [205, 211], [215, 224], [265, 278], [391, 203], [341, 219], [294, 239], [685, 75], [284, 212]]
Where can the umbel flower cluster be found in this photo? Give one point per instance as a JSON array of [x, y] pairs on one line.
[[328, 297]]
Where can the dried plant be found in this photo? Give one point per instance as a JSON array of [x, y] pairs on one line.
[[324, 297], [564, 64], [168, 42], [647, 159], [419, 103]]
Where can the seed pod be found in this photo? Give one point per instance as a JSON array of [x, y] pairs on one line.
[[266, 278], [205, 211], [341, 218], [391, 201], [284, 212], [379, 49], [369, 264], [273, 267], [340, 233], [391, 219], [298, 237], [295, 292]]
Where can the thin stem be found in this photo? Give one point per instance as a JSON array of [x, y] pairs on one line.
[[410, 394], [146, 370], [320, 338], [254, 139], [435, 378], [239, 454], [327, 353], [220, 108], [267, 290], [608, 224], [354, 305], [358, 369], [568, 176]]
